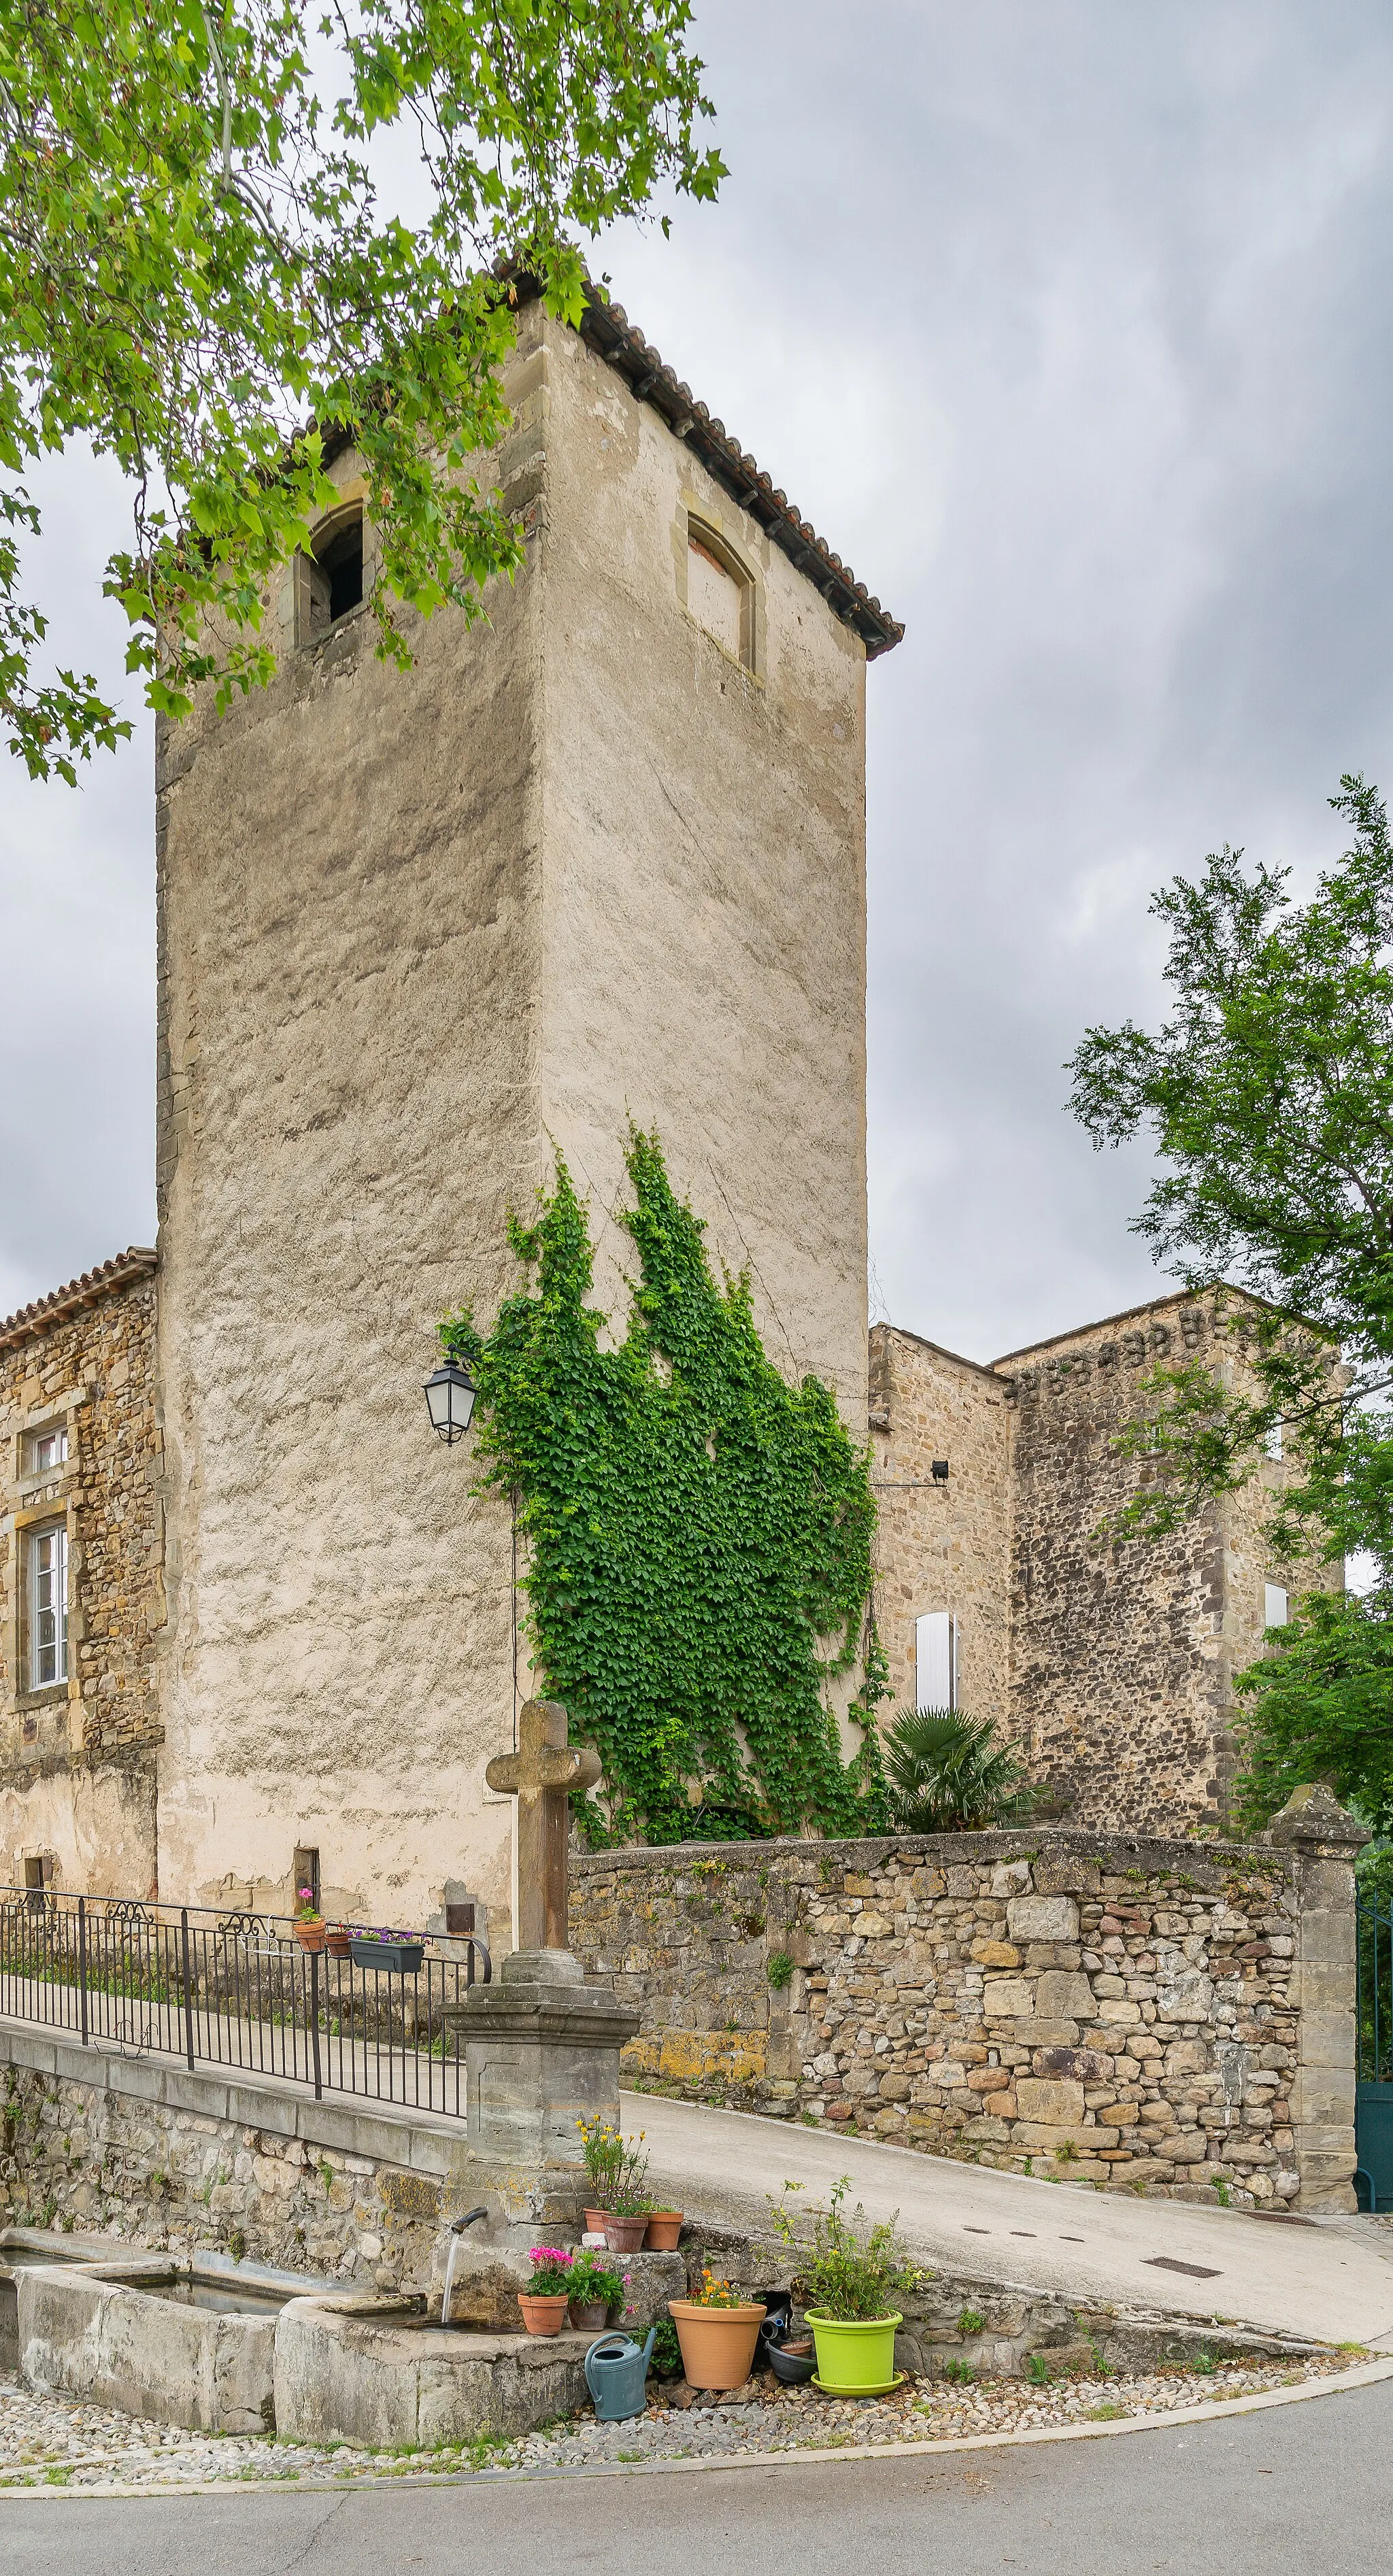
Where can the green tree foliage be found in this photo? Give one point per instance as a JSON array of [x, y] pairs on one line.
[[194, 268], [946, 1774], [1320, 1707], [699, 1534], [1269, 1095]]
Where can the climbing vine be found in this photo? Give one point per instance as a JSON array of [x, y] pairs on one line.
[[698, 1534]]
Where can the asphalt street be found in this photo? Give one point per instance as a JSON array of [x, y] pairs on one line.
[[1302, 2488]]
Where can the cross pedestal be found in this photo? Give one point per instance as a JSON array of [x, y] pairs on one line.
[[541, 1775]]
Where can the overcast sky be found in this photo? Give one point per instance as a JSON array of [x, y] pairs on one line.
[[1071, 328]]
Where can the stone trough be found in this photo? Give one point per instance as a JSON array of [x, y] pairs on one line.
[[381, 2372], [178, 2342]]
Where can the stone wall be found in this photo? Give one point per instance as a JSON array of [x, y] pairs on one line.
[[1159, 2016], [1122, 1656], [942, 1546], [77, 1779]]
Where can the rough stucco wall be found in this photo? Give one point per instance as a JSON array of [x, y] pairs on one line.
[[415, 928], [76, 1759], [704, 955], [349, 906], [1121, 1657], [1121, 2010], [941, 1547]]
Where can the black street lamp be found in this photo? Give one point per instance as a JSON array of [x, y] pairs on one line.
[[449, 1394]]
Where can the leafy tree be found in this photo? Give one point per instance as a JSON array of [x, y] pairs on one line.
[[1321, 1708], [196, 276], [946, 1774], [1269, 1095], [698, 1534]]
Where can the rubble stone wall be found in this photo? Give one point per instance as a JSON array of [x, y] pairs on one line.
[[1120, 2011], [77, 1758]]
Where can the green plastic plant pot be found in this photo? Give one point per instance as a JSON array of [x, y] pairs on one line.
[[854, 2356]]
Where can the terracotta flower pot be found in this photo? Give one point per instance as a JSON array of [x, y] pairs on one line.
[[543, 2315], [595, 2221], [664, 2228], [625, 2235], [589, 2316], [311, 1936], [337, 1945], [718, 2344]]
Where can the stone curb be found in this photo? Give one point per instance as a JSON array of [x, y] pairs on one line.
[[1363, 2375]]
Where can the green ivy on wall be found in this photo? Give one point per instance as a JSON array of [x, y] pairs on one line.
[[698, 1535]]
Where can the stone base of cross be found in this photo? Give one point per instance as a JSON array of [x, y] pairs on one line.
[[541, 1776]]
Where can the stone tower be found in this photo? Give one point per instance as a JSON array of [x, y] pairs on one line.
[[598, 856]]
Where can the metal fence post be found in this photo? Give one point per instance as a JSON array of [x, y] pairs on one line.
[[314, 2024], [82, 1962], [188, 1983]]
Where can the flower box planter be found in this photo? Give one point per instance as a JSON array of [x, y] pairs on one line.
[[624, 2235], [855, 2356], [397, 1958], [664, 2228], [718, 2344], [543, 2315]]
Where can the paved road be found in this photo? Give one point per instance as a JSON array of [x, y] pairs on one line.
[[1303, 2488], [1333, 2280]]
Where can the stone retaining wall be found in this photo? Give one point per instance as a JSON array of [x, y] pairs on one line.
[[1162, 2016]]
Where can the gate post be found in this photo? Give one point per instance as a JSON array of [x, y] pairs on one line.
[[1324, 1842]]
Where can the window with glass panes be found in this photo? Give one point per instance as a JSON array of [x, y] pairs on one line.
[[47, 1587]]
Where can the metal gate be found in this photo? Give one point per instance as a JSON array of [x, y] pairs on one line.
[[1373, 2091]]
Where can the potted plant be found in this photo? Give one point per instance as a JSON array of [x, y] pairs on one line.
[[850, 2277], [387, 1953], [617, 2175], [595, 2288], [339, 1941], [309, 1924], [547, 2295], [718, 2331], [664, 2228]]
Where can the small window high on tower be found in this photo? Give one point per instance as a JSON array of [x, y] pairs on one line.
[[717, 593], [333, 574]]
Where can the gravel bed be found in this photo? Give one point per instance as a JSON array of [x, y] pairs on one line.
[[57, 2441]]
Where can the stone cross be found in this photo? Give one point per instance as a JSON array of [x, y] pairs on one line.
[[540, 1776]]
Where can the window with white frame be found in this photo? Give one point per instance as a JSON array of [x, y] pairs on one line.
[[936, 1660], [1272, 1441], [46, 1552], [45, 1449], [1274, 1605]]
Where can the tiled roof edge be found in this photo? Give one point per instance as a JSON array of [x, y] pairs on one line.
[[622, 346], [89, 1290]]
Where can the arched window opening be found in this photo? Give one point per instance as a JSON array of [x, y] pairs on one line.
[[334, 572], [718, 593]]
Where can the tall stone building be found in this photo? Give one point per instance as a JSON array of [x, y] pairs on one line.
[[599, 856], [1111, 1664]]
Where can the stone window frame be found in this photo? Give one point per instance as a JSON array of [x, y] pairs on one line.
[[705, 523], [35, 1497], [298, 603]]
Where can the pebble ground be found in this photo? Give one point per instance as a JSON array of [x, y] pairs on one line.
[[58, 2442]]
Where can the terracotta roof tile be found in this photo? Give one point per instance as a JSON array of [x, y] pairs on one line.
[[86, 1291], [622, 346]]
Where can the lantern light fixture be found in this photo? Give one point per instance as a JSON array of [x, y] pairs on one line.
[[449, 1392], [940, 1468]]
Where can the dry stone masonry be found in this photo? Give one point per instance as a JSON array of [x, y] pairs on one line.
[[1123, 2012]]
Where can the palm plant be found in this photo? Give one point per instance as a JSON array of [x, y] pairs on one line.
[[947, 1775]]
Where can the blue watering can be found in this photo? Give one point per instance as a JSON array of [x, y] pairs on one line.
[[615, 2370]]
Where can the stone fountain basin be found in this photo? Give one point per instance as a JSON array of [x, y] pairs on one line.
[[189, 2343], [381, 2372], [22, 2245]]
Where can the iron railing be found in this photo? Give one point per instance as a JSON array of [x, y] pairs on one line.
[[239, 1992], [1373, 2017]]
